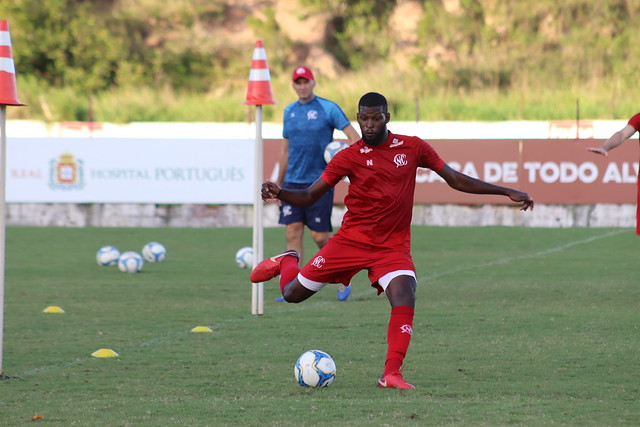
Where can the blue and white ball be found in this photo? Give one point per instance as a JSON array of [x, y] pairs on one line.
[[332, 148], [315, 368], [154, 252], [244, 257], [130, 262], [108, 256]]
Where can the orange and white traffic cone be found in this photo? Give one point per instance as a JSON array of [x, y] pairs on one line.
[[259, 91], [8, 88], [8, 96]]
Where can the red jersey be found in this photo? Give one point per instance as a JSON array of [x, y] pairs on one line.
[[635, 121], [382, 184]]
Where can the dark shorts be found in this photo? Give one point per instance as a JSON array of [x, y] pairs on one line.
[[317, 216]]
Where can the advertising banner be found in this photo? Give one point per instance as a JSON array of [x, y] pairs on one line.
[[174, 171], [554, 171], [119, 170], [551, 171]]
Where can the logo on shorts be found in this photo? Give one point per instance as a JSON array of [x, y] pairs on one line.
[[286, 210], [406, 329], [318, 262], [400, 160]]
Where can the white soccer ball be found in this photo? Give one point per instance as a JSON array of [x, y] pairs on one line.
[[332, 148], [108, 256], [244, 257], [130, 262], [315, 368], [154, 252]]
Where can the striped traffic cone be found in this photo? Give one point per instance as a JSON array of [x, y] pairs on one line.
[[8, 89], [259, 91]]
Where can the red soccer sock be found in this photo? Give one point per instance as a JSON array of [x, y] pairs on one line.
[[289, 269], [398, 337]]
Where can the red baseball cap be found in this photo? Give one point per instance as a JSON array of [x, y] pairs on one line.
[[302, 72]]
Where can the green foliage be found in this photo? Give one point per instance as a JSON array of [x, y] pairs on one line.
[[172, 44], [65, 43], [548, 44], [513, 326], [358, 29], [279, 44], [103, 60]]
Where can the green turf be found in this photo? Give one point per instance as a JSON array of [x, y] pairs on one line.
[[514, 326]]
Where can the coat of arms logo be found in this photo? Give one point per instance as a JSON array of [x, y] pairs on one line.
[[66, 173]]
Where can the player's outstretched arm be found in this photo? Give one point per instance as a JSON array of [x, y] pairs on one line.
[[467, 184], [615, 140], [306, 197], [526, 202]]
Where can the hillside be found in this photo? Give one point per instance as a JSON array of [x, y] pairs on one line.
[[450, 59]]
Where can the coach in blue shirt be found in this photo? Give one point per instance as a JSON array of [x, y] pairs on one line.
[[308, 127]]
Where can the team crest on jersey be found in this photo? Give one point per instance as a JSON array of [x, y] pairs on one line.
[[318, 262], [400, 160], [312, 115], [66, 173]]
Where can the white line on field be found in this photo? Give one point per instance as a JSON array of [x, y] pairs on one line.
[[521, 257], [173, 336], [46, 368]]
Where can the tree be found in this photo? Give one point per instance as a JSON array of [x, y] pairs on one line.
[[65, 42]]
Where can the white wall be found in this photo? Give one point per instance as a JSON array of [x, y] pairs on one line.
[[599, 129]]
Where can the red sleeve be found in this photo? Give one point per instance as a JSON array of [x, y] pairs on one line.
[[336, 169], [635, 121], [429, 158], [330, 177]]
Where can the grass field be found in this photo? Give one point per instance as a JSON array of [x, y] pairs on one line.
[[514, 326]]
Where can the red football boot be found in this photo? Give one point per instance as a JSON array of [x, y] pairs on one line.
[[269, 268], [393, 380]]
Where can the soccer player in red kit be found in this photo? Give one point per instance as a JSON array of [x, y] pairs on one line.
[[616, 139], [376, 229]]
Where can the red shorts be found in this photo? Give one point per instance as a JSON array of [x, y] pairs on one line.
[[341, 259]]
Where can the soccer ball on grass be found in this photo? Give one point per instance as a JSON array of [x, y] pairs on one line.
[[108, 256], [244, 257], [130, 262], [315, 368], [154, 252]]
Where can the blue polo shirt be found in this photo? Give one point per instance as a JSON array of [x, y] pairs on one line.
[[309, 128]]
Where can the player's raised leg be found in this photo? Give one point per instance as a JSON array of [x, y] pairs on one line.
[[269, 268], [294, 232], [294, 291], [285, 265], [401, 294]]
